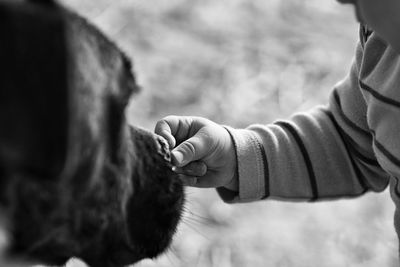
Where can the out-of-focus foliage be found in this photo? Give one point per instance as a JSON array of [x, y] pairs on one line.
[[239, 62]]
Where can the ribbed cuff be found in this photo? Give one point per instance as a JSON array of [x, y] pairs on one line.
[[250, 168]]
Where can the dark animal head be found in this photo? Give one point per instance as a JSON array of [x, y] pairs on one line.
[[75, 179]]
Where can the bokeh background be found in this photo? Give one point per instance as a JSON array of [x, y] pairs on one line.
[[240, 62]]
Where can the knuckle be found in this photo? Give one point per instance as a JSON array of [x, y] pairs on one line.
[[207, 139], [169, 118], [189, 148], [161, 126]]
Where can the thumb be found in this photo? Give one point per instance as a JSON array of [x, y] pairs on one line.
[[190, 150]]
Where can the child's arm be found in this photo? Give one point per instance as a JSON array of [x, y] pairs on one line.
[[322, 154], [325, 153]]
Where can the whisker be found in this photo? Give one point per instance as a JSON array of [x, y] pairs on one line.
[[198, 222], [170, 259], [52, 234], [120, 30], [104, 9], [180, 257], [207, 219], [188, 214], [200, 255], [193, 227]]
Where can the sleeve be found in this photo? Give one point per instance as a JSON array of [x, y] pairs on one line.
[[379, 81], [325, 153]]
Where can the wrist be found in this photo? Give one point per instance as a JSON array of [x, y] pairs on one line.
[[233, 185], [250, 165]]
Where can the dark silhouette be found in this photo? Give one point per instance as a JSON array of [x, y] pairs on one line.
[[75, 179]]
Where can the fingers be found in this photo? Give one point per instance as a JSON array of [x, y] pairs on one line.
[[193, 149], [196, 168], [188, 180], [190, 173], [196, 174], [207, 181], [175, 129], [163, 128]]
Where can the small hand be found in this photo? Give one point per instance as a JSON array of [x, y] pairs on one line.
[[203, 151]]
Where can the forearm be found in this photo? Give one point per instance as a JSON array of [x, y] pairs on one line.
[[324, 153], [302, 159]]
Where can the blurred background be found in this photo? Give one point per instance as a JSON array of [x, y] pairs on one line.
[[239, 62]]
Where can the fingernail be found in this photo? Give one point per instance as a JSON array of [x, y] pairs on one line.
[[203, 170], [178, 157]]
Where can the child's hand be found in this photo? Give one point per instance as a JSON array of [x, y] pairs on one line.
[[203, 153]]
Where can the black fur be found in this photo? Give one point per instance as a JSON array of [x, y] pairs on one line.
[[76, 179], [44, 2]]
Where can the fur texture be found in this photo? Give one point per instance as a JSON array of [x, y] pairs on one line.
[[76, 180]]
